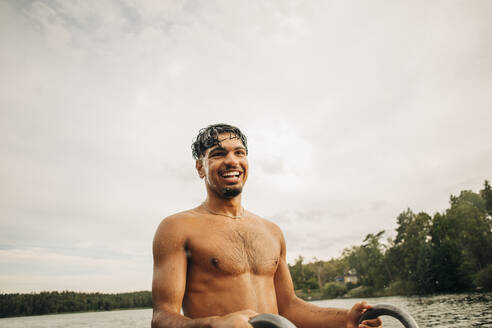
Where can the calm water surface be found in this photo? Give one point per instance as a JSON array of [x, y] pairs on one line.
[[449, 311]]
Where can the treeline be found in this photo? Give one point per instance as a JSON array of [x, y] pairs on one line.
[[446, 252], [13, 305]]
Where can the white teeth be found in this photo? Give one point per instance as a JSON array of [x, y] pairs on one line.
[[231, 174]]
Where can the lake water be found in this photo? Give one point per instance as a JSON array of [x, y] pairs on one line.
[[443, 311]]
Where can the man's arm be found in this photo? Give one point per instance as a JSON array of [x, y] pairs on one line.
[[169, 282], [307, 315]]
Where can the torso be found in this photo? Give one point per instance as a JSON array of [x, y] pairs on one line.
[[231, 264]]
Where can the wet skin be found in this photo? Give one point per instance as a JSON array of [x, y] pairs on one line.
[[223, 270]]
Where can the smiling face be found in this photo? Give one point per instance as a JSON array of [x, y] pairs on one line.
[[224, 166]]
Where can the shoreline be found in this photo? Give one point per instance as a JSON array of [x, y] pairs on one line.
[[315, 295], [76, 312], [313, 299]]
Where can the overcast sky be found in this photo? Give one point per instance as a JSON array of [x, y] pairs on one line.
[[354, 111]]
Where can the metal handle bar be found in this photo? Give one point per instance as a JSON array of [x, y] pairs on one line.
[[387, 309], [268, 320]]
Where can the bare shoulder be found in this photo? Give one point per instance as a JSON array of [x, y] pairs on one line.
[[174, 227]]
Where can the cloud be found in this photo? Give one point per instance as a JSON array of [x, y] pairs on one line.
[[321, 233], [353, 113]]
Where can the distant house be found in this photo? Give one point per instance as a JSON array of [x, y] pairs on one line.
[[351, 279], [350, 276]]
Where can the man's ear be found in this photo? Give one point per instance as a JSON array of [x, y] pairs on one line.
[[199, 168]]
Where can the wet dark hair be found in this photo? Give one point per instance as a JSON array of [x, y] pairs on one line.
[[209, 137]]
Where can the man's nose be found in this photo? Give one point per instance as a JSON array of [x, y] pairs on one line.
[[231, 159]]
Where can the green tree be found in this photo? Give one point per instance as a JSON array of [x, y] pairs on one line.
[[325, 271], [468, 212], [303, 276], [462, 240], [369, 261], [483, 278], [412, 251], [486, 194], [333, 289]]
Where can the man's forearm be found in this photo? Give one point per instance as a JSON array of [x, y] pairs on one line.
[[164, 319], [307, 315]]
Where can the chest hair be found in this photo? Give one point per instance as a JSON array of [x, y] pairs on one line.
[[249, 248]]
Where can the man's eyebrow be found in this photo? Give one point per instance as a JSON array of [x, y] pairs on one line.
[[220, 148], [216, 148]]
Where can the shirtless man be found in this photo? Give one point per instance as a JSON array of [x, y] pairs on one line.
[[223, 264]]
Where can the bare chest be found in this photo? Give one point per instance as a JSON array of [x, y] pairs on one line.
[[233, 249]]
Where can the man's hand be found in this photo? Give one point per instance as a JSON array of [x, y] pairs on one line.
[[356, 312], [235, 320]]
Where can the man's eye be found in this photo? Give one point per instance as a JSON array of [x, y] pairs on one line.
[[216, 154]]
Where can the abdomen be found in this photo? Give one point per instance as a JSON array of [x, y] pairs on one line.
[[226, 294]]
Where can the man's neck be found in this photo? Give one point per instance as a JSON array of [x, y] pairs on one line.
[[228, 206]]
